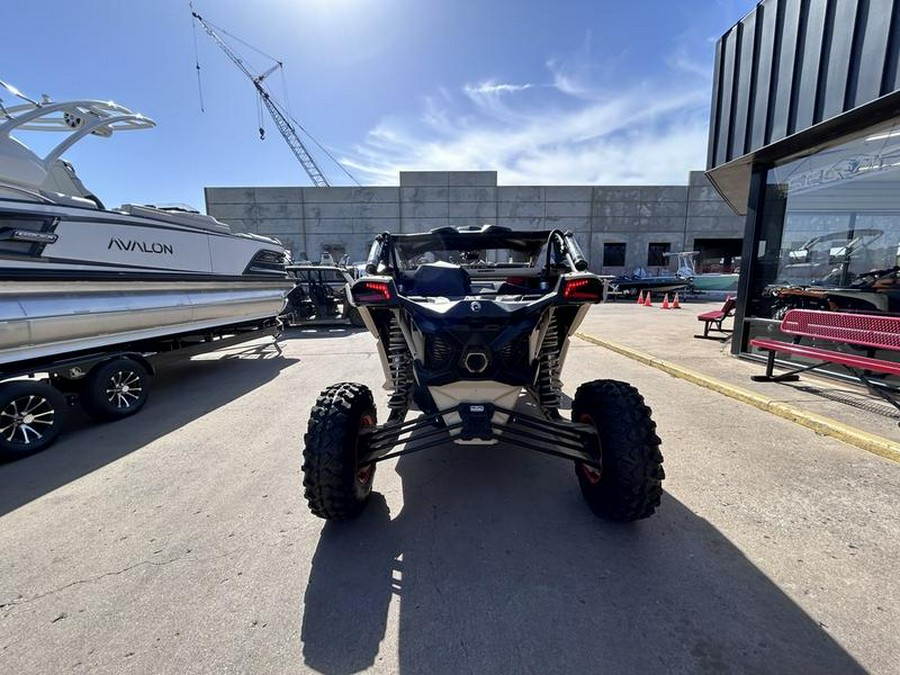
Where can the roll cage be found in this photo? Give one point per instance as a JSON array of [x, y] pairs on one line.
[[541, 254]]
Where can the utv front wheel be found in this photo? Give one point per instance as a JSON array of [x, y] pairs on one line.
[[336, 488], [628, 485]]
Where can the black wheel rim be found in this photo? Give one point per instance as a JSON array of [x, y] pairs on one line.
[[124, 388], [27, 419]]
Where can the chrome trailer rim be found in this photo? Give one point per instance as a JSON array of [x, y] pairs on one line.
[[26, 419], [124, 388]]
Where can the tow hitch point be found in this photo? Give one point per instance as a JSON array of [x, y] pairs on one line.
[[476, 421]]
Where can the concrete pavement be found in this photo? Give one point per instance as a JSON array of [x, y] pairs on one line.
[[662, 338], [178, 541]]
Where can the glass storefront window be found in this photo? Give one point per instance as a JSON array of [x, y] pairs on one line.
[[830, 236]]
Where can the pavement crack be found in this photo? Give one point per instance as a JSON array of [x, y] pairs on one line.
[[153, 563]]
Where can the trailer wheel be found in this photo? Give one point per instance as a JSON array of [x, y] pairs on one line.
[[115, 389], [336, 488], [31, 417], [628, 485]]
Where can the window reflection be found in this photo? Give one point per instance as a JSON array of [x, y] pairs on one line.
[[831, 230]]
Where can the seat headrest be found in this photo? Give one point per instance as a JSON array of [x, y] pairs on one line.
[[441, 278]]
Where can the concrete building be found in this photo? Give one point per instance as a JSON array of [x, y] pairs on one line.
[[620, 227]]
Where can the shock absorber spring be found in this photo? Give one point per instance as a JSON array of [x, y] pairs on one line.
[[400, 367], [549, 385]]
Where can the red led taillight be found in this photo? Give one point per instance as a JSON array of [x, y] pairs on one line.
[[583, 289], [379, 287], [372, 291]]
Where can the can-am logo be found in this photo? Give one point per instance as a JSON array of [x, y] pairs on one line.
[[143, 246]]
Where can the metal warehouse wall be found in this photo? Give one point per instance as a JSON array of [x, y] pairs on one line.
[[790, 64]]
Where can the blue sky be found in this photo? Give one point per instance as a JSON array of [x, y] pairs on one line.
[[565, 92]]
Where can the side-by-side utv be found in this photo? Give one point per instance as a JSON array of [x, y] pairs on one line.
[[473, 326]]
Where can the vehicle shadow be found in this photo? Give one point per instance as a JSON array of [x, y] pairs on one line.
[[182, 391], [494, 564], [321, 331], [854, 398]]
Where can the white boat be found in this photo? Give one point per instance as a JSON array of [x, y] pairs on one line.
[[711, 281], [75, 275], [715, 282]]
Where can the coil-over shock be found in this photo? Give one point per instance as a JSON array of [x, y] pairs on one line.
[[400, 370], [549, 385]]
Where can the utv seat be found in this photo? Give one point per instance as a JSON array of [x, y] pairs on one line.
[[515, 286], [442, 279]]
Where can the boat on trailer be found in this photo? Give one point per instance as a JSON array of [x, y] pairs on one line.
[[92, 298], [75, 275], [641, 281], [706, 281]]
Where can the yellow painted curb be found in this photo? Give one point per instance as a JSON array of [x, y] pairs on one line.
[[878, 445]]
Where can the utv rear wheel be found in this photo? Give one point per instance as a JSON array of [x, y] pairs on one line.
[[628, 485], [336, 488]]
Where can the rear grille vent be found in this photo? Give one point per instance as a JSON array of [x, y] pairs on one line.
[[440, 353], [514, 354]]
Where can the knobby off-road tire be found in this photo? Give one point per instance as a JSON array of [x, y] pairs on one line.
[[31, 417], [629, 484], [115, 390], [355, 317], [352, 313], [335, 487]]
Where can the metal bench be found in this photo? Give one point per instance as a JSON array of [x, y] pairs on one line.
[[715, 318], [868, 331]]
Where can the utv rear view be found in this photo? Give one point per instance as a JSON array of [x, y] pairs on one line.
[[473, 326]]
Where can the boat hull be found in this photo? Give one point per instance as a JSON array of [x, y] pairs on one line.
[[81, 238], [41, 319], [656, 285], [715, 282]]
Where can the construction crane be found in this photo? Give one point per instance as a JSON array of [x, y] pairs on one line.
[[281, 120]]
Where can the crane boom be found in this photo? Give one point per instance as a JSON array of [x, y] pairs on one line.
[[281, 121]]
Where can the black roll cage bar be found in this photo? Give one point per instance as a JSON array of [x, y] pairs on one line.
[[562, 247]]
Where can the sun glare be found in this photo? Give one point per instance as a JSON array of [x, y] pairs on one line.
[[348, 31], [337, 9]]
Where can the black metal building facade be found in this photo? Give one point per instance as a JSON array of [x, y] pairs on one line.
[[793, 81]]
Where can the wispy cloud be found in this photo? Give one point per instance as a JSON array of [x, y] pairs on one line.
[[491, 88], [578, 128]]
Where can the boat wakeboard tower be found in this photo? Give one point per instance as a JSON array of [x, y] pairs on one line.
[[22, 167], [89, 294]]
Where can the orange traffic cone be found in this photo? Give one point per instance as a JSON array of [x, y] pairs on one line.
[[647, 301], [676, 304], [640, 297], [665, 304]]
